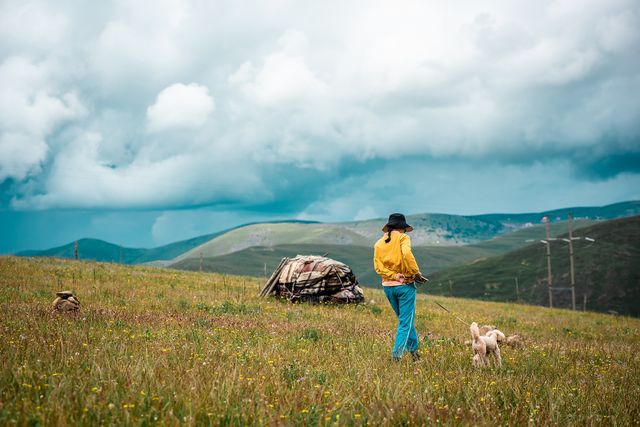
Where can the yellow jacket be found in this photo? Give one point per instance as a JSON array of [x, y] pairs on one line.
[[394, 257]]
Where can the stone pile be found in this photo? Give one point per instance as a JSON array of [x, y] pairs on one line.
[[65, 302]]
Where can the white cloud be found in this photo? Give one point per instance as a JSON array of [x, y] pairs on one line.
[[141, 41], [20, 155], [80, 178], [30, 25], [31, 108], [300, 88], [284, 77], [180, 106], [365, 213]]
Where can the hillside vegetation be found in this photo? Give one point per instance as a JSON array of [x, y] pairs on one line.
[[155, 346], [430, 230], [613, 211], [607, 271], [251, 261], [275, 234]]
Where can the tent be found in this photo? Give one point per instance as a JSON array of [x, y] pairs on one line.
[[311, 278]]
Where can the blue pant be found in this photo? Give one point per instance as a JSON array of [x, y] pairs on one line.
[[403, 301]]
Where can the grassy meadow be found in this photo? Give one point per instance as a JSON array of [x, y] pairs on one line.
[[153, 346]]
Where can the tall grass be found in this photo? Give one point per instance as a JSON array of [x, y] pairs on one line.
[[158, 346]]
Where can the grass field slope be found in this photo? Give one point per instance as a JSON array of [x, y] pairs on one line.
[[157, 346], [261, 260], [607, 271]]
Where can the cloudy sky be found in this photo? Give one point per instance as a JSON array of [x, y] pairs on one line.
[[147, 122]]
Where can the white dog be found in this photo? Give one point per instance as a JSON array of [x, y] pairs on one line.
[[485, 345]]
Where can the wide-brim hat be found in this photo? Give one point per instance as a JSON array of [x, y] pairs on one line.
[[397, 221]]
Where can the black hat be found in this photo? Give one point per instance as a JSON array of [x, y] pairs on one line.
[[397, 221]]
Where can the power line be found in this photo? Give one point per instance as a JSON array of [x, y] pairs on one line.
[[570, 240], [571, 262]]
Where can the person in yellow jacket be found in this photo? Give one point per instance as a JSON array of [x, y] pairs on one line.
[[396, 265]]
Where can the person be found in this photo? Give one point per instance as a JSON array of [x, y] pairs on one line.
[[395, 264]]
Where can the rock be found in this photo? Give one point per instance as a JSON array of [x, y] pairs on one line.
[[66, 305], [65, 301], [64, 294]]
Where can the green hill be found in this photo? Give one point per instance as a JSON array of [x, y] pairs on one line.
[[437, 230], [433, 229], [275, 234], [607, 271], [443, 229], [99, 250], [251, 261], [616, 210], [429, 230]]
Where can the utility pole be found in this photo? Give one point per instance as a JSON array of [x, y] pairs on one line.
[[548, 242], [571, 260], [573, 273]]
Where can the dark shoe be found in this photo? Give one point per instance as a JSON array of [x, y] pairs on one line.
[[415, 355]]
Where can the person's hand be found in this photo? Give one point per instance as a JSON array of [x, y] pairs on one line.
[[418, 277], [401, 277]]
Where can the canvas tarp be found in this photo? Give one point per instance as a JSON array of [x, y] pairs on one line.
[[311, 278]]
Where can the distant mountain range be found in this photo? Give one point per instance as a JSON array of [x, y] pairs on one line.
[[607, 271], [100, 250], [255, 260], [429, 230], [440, 231]]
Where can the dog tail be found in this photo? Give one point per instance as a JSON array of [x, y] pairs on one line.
[[499, 335], [475, 331]]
